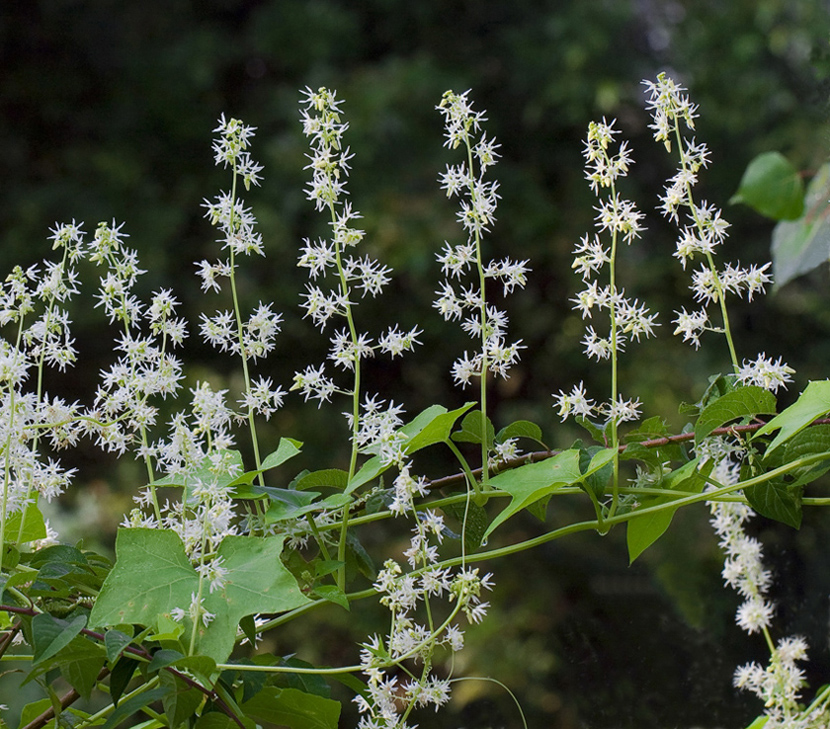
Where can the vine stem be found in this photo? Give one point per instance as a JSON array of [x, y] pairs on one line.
[[344, 289], [485, 471], [615, 479], [621, 518], [343, 669], [240, 333]]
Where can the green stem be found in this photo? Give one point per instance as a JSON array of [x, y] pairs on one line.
[[485, 470], [721, 294], [614, 366], [315, 530], [344, 290], [471, 479], [240, 334], [7, 464]]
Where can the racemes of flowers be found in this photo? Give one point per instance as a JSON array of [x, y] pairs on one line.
[[480, 319], [329, 164], [375, 427], [196, 453], [413, 639], [428, 594], [29, 414], [628, 319], [703, 233], [254, 338], [780, 682]]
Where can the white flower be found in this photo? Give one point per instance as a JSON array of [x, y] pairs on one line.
[[691, 325], [576, 402], [765, 372], [621, 410], [466, 367]]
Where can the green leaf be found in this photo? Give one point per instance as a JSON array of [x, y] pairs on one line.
[[327, 567], [287, 448], [282, 509], [532, 481], [115, 641], [50, 634], [120, 676], [332, 593], [293, 708], [10, 557], [327, 478], [127, 708], [776, 500], [80, 663], [539, 508], [152, 575], [596, 431], [772, 186], [257, 582], [644, 530], [600, 460], [33, 710], [473, 427], [248, 627], [306, 682], [369, 471], [166, 629], [653, 427], [429, 427], [520, 429], [597, 467], [804, 244], [426, 432], [181, 700], [162, 658], [358, 558], [33, 525], [809, 442], [474, 525], [813, 403], [58, 553], [741, 403]]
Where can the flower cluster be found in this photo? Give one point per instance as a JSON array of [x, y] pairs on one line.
[[329, 163], [778, 683], [33, 301], [705, 229], [389, 702], [255, 337], [195, 455], [628, 318], [481, 320]]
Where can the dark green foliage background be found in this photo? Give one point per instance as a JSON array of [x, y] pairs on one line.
[[106, 109]]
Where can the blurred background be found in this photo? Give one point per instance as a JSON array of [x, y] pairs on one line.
[[106, 112]]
